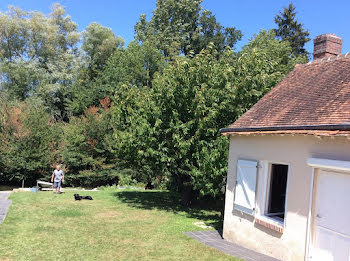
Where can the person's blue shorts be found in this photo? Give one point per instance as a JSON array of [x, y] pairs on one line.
[[57, 184]]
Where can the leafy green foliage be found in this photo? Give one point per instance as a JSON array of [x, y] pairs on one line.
[[193, 96], [99, 43], [170, 132], [29, 141], [135, 122], [134, 66], [87, 140], [181, 27], [93, 179], [290, 30], [39, 55]]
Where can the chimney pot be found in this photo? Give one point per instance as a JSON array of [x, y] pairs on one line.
[[327, 45]]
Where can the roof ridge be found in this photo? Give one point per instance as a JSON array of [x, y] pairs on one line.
[[331, 58]]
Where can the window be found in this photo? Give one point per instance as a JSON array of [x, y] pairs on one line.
[[264, 198], [277, 191]]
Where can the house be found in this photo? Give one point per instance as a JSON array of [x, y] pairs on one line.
[[288, 185]]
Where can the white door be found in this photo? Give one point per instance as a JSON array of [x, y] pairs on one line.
[[331, 228]]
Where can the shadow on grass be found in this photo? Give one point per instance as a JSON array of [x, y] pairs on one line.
[[171, 202]]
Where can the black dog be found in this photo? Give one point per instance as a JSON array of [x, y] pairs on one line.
[[78, 197]]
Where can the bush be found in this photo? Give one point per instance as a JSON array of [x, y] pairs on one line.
[[92, 179], [108, 187], [127, 177], [107, 177]]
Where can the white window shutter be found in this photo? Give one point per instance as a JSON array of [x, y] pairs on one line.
[[246, 186]]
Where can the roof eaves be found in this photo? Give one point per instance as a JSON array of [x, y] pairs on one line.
[[342, 127]]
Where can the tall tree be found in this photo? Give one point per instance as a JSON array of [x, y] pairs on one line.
[[29, 140], [170, 131], [289, 29], [135, 65], [86, 139], [39, 55], [99, 43], [181, 26]]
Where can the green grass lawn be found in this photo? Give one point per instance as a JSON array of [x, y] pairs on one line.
[[123, 225]]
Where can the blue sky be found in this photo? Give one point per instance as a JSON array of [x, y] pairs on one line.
[[250, 16]]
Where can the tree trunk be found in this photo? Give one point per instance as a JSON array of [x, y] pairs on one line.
[[186, 196]]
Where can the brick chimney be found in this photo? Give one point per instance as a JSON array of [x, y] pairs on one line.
[[327, 45]]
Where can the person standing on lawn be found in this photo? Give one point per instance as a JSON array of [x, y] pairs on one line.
[[57, 178]]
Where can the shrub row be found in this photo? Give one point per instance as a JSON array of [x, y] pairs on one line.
[[93, 179]]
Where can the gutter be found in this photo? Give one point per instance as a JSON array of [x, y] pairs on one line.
[[341, 127]]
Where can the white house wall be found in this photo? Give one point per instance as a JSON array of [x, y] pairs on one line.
[[292, 150]]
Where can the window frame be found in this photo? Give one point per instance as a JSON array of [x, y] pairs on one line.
[[263, 193]]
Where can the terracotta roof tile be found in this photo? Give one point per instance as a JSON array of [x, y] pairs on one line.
[[316, 93]]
